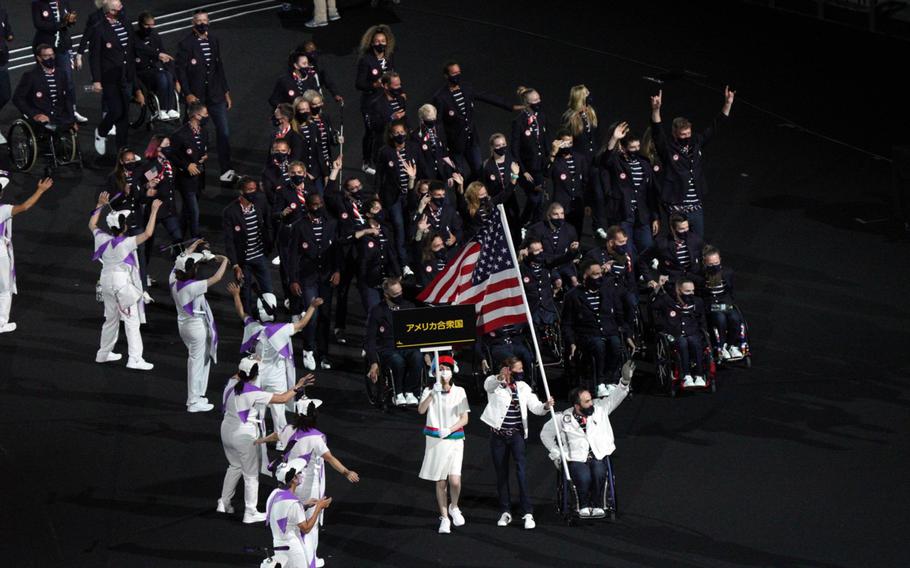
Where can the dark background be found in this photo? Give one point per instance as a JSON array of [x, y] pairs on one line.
[[800, 461]]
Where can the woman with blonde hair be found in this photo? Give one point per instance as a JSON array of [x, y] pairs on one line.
[[580, 119], [377, 47]]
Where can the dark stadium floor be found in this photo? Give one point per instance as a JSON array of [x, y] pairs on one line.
[[799, 461]]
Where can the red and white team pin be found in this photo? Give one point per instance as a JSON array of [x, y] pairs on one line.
[[371, 244], [344, 215], [672, 313], [237, 228], [429, 269], [108, 45], [622, 175], [192, 61], [451, 113], [39, 94], [675, 157], [527, 132], [375, 71], [305, 245], [291, 93], [562, 176]]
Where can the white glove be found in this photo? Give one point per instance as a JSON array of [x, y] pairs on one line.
[[555, 455], [601, 233], [437, 386], [628, 369], [207, 255], [444, 433]]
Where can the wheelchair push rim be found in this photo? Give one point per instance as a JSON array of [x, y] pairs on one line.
[[22, 145]]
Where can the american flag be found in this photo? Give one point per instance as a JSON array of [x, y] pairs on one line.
[[482, 274]]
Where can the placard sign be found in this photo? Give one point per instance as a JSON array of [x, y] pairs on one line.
[[441, 325]]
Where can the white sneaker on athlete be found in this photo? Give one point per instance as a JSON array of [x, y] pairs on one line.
[[334, 17], [445, 526], [100, 143], [173, 114], [688, 382], [200, 406], [407, 271], [111, 357], [724, 353], [529, 522], [368, 169], [735, 353], [224, 507], [411, 400], [400, 400], [253, 517], [457, 517], [598, 513], [585, 512], [79, 118], [315, 24], [309, 362], [228, 176], [700, 381], [504, 520], [139, 365], [163, 115]]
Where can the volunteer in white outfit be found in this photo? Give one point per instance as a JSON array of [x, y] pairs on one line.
[[272, 344], [195, 321], [587, 436], [7, 264], [446, 407], [121, 285], [509, 398], [244, 408], [288, 520], [303, 439]]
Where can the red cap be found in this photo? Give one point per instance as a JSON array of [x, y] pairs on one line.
[[447, 360]]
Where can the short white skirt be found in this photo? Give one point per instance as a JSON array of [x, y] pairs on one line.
[[441, 459]]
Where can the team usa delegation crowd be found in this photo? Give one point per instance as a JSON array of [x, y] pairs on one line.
[[426, 189]]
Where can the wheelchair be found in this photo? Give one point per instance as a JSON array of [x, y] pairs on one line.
[[717, 342], [380, 393], [147, 114], [567, 500], [668, 369], [580, 368], [550, 338], [29, 140]]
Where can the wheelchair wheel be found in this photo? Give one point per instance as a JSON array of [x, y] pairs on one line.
[[66, 147], [667, 373], [22, 145], [610, 501], [375, 390], [138, 113]]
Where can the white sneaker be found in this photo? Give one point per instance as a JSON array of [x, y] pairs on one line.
[[334, 17], [163, 115], [7, 327], [320, 562], [79, 118], [111, 357], [400, 400], [598, 513], [100, 143], [524, 233], [224, 507], [602, 390], [287, 303], [688, 382], [254, 517], [529, 522], [2, 139], [504, 520], [735, 353], [457, 517], [369, 170], [228, 176], [407, 271], [445, 526], [585, 512], [173, 114], [200, 406], [112, 131], [700, 381], [276, 261], [724, 353], [602, 234], [315, 24], [147, 299], [411, 400], [309, 362], [279, 446], [139, 365], [325, 365]]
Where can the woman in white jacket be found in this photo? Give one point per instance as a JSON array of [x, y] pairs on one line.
[[509, 398], [587, 438]]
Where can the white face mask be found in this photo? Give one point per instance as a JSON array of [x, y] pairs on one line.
[[445, 374]]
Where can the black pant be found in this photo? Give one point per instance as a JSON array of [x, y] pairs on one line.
[[5, 92], [348, 269], [501, 447], [116, 96]]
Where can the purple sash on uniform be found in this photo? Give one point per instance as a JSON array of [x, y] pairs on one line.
[[279, 336], [243, 403], [281, 495], [251, 331], [6, 230]]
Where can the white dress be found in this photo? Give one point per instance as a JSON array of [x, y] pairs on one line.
[[7, 265], [442, 458]]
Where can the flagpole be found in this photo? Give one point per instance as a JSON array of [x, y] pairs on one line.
[[543, 372]]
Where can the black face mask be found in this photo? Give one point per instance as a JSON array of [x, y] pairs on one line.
[[49, 63], [500, 151], [681, 235], [632, 155], [379, 48], [311, 55], [557, 223], [595, 283], [429, 123], [534, 257], [317, 212], [687, 298], [564, 151], [399, 138], [455, 79], [535, 107], [396, 92], [131, 166], [441, 254], [397, 299], [683, 142], [302, 116], [201, 28], [485, 201], [275, 121], [297, 180], [315, 110], [589, 411], [621, 249], [439, 201], [167, 152], [203, 121], [518, 376], [280, 157], [712, 268], [379, 216], [145, 32], [589, 100]]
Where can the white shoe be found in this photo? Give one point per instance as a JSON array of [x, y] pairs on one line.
[[279, 446], [585, 512], [112, 131], [334, 17], [529, 522], [602, 390], [139, 365], [457, 517], [309, 362], [320, 562], [276, 261], [598, 513], [228, 176], [504, 520], [700, 381], [688, 382], [200, 406], [254, 517], [400, 400], [79, 118], [445, 526], [602, 234], [287, 303], [163, 115], [111, 357], [7, 327], [325, 365], [173, 114], [100, 143], [2, 139], [524, 233], [146, 298], [315, 24], [724, 353], [407, 271], [369, 170], [411, 400], [223, 507], [735, 353]]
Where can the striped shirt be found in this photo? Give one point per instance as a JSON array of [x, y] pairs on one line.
[[323, 138], [317, 231], [55, 10], [122, 33], [718, 291], [682, 254], [402, 173], [206, 50], [593, 299], [462, 106], [395, 105], [638, 176], [512, 421], [51, 87], [253, 238]]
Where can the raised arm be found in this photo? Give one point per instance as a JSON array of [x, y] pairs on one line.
[[620, 132], [656, 101], [150, 226], [728, 100], [339, 467], [288, 395], [234, 291], [215, 278], [103, 200], [43, 185], [302, 322], [307, 525]]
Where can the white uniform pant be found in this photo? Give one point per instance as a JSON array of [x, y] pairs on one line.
[[110, 331], [320, 9], [6, 285], [195, 335], [310, 489], [243, 461], [273, 378], [297, 554]]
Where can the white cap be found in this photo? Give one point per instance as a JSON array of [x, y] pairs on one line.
[[113, 218], [296, 466], [183, 259], [4, 179], [301, 406], [247, 364], [269, 299]]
